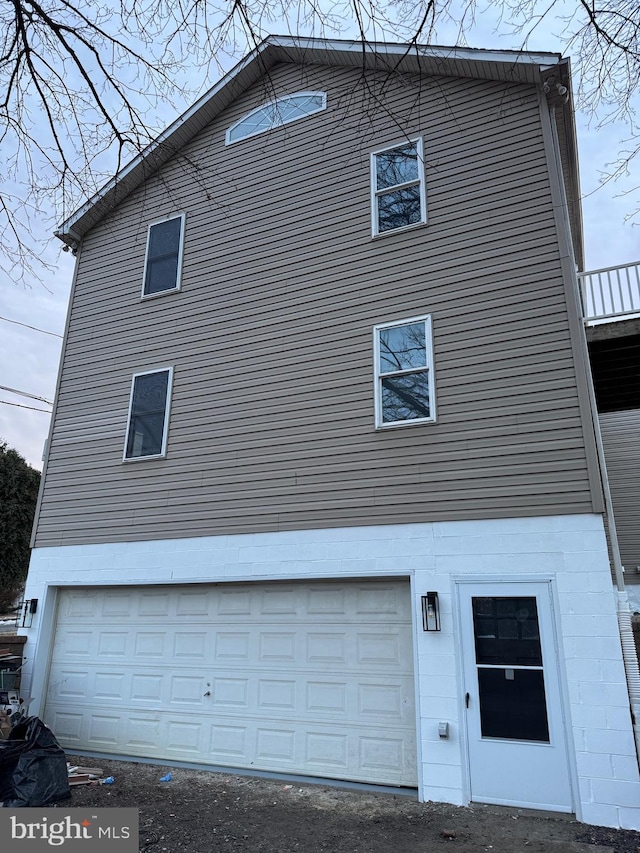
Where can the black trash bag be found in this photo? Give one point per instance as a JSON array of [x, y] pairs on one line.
[[33, 767]]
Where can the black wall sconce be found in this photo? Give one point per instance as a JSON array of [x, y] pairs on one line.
[[430, 612], [29, 607]]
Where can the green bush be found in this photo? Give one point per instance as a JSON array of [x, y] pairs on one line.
[[19, 484]]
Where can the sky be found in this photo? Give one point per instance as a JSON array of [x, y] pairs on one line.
[[29, 359]]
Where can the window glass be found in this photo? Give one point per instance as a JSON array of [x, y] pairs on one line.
[[147, 416], [403, 347], [282, 111], [506, 631], [404, 372], [405, 398], [399, 209], [298, 106], [262, 119], [513, 704], [163, 256], [397, 166], [398, 191], [509, 665]]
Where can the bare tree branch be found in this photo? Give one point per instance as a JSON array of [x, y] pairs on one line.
[[81, 83]]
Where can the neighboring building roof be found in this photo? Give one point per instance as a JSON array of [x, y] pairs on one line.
[[505, 65]]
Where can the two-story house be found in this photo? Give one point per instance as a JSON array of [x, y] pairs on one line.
[[323, 488]]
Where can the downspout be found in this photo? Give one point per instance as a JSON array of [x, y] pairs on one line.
[[558, 95], [629, 653]]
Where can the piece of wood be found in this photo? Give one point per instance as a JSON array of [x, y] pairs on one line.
[[80, 779]]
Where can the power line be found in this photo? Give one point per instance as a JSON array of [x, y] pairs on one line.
[[21, 406], [27, 326], [26, 394]]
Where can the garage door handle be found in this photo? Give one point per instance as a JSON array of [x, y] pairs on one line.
[[466, 700]]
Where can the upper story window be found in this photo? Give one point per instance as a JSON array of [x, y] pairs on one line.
[[148, 414], [276, 113], [398, 196], [405, 390], [163, 261]]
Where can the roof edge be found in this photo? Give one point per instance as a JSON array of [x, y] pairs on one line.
[[402, 48]]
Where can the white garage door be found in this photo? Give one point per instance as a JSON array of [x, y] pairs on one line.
[[312, 678]]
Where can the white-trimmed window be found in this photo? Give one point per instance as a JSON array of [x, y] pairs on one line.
[[276, 113], [404, 382], [398, 195], [148, 420], [163, 259]]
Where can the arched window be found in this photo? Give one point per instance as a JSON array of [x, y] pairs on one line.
[[276, 113]]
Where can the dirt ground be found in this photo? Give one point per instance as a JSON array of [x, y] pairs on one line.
[[202, 812]]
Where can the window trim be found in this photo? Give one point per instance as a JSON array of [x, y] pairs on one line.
[[375, 192], [428, 369], [167, 409], [182, 217], [273, 101]]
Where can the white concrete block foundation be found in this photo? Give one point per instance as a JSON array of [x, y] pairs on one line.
[[568, 551]]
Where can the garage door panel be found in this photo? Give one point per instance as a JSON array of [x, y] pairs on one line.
[[113, 644], [68, 726], [308, 678], [107, 686], [104, 729], [345, 699], [361, 600], [229, 646], [327, 752], [229, 743]]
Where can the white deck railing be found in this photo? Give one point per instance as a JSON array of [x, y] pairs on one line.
[[612, 293]]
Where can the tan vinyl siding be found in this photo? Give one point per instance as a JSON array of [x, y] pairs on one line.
[[621, 441], [272, 421]]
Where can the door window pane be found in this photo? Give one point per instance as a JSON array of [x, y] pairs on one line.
[[513, 704], [506, 631], [509, 665]]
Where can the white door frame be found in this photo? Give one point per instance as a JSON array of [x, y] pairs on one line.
[[457, 582]]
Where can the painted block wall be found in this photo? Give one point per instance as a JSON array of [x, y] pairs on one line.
[[569, 550]]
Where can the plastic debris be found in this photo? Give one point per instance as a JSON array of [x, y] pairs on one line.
[[166, 778], [108, 781], [33, 767]]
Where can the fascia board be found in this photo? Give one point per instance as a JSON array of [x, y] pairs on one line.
[[437, 51]]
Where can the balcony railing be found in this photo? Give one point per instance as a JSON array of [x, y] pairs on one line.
[[612, 293]]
